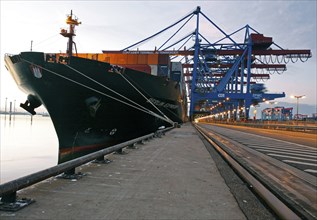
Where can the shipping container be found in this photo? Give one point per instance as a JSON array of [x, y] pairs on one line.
[[163, 59], [142, 59], [152, 59], [139, 67], [162, 70], [155, 64], [132, 59], [153, 70], [176, 71]]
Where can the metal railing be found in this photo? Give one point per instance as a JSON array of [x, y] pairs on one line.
[[8, 190]]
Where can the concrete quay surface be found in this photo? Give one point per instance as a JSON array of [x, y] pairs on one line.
[[172, 177]]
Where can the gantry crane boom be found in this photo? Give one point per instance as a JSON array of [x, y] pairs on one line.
[[225, 71]]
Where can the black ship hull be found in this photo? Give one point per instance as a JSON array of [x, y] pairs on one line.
[[93, 104]]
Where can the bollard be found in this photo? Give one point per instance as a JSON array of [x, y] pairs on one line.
[[102, 160], [132, 146], [10, 203], [71, 174], [9, 190], [121, 151]]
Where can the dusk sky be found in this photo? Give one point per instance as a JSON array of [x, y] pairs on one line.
[[117, 24]]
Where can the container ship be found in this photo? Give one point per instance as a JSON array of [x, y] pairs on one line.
[[98, 100]]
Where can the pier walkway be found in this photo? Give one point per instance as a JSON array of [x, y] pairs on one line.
[[172, 177]]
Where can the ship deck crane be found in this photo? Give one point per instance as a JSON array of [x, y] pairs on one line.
[[222, 77]]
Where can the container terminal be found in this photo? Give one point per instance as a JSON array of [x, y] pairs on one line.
[[208, 164]]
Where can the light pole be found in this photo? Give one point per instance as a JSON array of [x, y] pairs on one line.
[[5, 107], [297, 97]]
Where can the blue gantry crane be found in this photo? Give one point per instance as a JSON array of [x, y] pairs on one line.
[[222, 77]]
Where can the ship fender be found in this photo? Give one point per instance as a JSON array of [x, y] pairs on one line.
[[31, 103]]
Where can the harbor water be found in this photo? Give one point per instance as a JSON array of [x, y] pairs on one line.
[[27, 145]]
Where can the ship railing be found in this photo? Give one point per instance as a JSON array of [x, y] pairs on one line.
[[8, 190]]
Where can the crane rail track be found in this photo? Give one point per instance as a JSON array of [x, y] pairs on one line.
[[288, 191]]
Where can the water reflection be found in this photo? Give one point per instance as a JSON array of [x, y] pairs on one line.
[[27, 145]]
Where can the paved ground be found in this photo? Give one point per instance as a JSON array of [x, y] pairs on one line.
[[308, 139], [172, 177]]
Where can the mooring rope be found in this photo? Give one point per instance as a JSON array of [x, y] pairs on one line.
[[105, 87], [118, 72], [97, 91], [147, 100]]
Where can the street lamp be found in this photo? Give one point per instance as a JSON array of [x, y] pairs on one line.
[[297, 97]]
